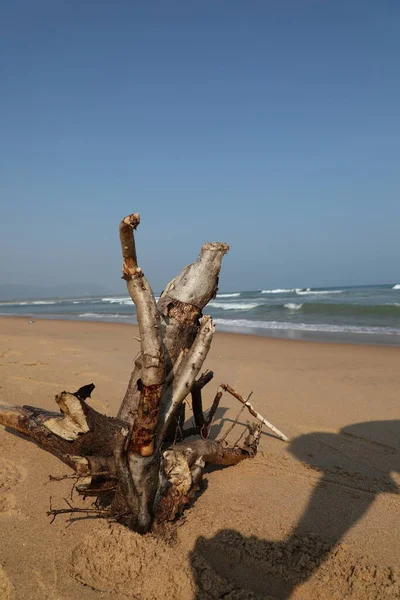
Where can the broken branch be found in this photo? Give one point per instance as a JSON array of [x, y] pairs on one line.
[[186, 375], [253, 412], [152, 375], [153, 372], [180, 307], [197, 403]]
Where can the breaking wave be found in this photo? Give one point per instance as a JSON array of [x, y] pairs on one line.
[[234, 305], [309, 292], [31, 302], [235, 294], [350, 309], [293, 306], [240, 324], [278, 291], [396, 287], [124, 300]]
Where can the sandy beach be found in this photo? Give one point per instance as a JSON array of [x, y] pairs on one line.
[[317, 518]]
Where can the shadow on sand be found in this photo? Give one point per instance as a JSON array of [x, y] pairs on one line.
[[356, 465]]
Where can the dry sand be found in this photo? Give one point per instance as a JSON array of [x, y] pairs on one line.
[[314, 519]]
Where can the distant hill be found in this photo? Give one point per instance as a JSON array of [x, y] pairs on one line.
[[10, 291]]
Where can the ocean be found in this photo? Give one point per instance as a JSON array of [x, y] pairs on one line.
[[366, 314]]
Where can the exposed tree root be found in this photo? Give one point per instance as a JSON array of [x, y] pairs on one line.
[[128, 463]]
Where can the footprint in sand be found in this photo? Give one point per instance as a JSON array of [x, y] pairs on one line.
[[7, 504], [47, 584], [6, 587], [10, 475]]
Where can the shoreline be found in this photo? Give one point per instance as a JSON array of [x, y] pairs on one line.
[[324, 337]]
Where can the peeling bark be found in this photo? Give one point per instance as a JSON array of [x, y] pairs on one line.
[[183, 468], [33, 422], [74, 420], [152, 376], [180, 307], [125, 462], [186, 375]]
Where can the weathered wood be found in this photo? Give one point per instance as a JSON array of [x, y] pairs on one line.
[[47, 429], [204, 423], [180, 307], [125, 462], [197, 402], [137, 458], [152, 377], [185, 376], [214, 453], [183, 470]]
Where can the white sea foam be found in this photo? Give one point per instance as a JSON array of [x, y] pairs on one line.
[[92, 315], [234, 305], [240, 324], [396, 287], [293, 306], [228, 295], [9, 303], [124, 300], [309, 292], [278, 291], [31, 302]]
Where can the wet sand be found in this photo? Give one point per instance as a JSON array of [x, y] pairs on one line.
[[316, 518]]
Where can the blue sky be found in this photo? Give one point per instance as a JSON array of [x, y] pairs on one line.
[[272, 125]]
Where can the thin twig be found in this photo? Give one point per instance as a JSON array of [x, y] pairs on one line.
[[53, 512], [62, 477], [102, 514], [77, 476], [236, 420], [213, 410], [253, 412]]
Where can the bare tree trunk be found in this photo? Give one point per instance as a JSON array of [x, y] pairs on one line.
[[180, 307], [129, 456]]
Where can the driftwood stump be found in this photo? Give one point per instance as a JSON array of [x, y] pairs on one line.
[[141, 466]]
